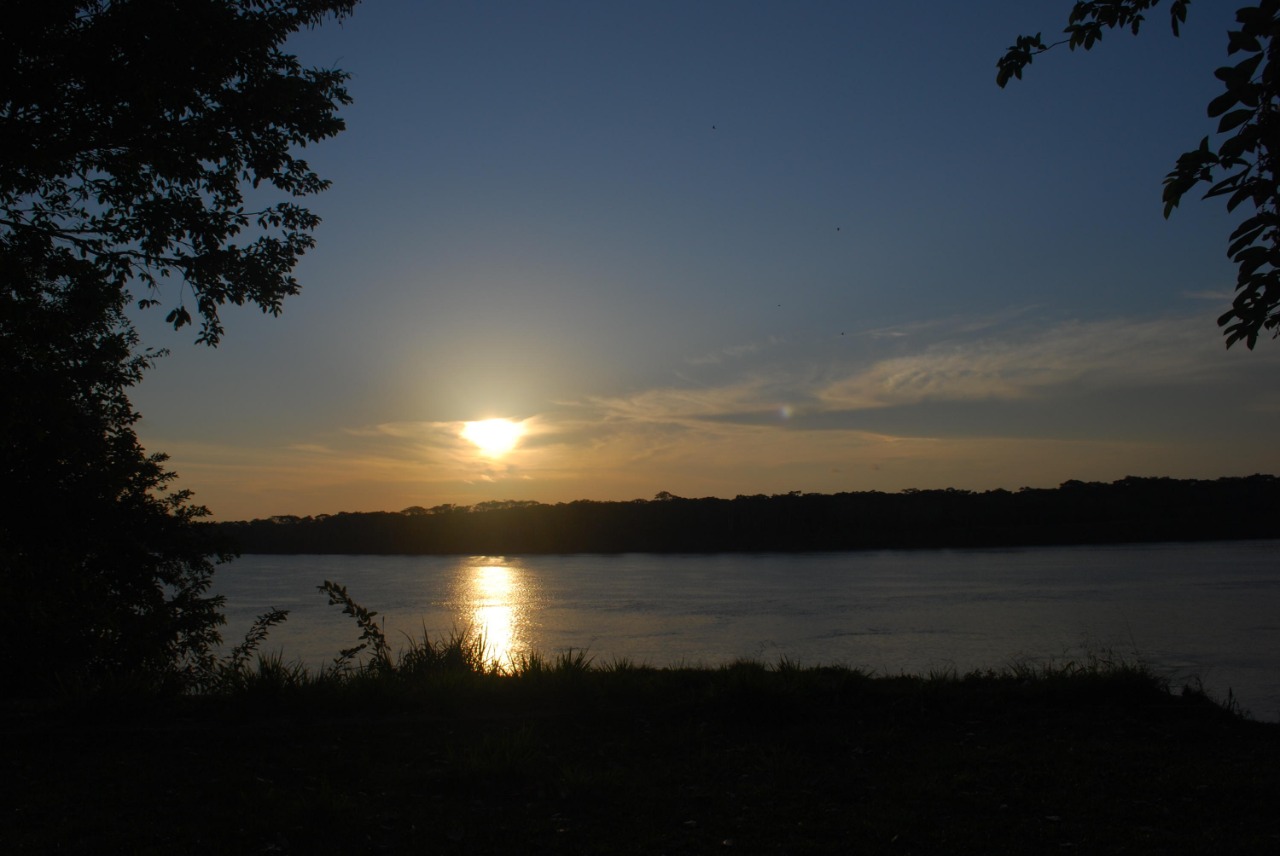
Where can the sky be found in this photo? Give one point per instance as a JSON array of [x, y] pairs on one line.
[[724, 248]]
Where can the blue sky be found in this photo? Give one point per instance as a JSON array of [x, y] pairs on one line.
[[732, 248]]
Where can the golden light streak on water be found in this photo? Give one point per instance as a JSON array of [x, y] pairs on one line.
[[496, 596]]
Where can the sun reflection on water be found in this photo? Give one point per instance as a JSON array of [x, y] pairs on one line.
[[495, 599]]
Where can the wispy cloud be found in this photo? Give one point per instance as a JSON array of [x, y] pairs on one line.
[[1019, 364], [734, 352], [808, 426], [683, 406], [313, 448], [932, 328], [1223, 296]]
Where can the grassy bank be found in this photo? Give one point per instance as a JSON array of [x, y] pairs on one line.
[[433, 751]]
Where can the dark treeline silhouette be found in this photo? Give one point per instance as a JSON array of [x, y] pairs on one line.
[[1130, 510], [149, 156]]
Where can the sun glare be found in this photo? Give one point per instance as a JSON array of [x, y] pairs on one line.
[[493, 437]]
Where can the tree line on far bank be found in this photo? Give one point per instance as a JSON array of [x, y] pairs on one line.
[[1129, 510]]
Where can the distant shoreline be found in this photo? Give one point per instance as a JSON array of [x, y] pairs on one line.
[[1131, 510]]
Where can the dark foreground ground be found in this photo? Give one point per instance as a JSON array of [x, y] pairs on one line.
[[741, 759]]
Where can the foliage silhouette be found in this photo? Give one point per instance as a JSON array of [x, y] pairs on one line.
[[134, 134], [370, 631], [131, 130], [98, 559], [1243, 166]]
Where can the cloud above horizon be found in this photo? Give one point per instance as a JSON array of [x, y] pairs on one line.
[[991, 401], [1018, 364]]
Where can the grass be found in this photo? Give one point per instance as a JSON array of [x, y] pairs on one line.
[[436, 750]]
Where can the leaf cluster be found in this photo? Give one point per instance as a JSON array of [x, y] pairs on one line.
[[1085, 26], [1244, 167], [161, 138], [1241, 164]]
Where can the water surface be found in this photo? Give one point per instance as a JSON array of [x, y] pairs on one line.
[[1194, 611]]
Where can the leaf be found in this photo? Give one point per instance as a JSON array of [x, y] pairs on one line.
[[1227, 185], [1244, 241], [1250, 260], [1241, 195], [1256, 221], [1245, 68], [1240, 41], [1233, 147], [1223, 103], [1234, 119], [175, 317]]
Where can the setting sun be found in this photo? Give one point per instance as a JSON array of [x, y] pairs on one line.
[[494, 437]]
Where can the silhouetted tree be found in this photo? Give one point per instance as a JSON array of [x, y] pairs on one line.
[[140, 140], [1244, 166], [130, 131], [103, 571]]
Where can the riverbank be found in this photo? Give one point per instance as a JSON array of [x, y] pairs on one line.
[[573, 757]]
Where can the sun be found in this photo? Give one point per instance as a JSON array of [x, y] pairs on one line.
[[493, 437]]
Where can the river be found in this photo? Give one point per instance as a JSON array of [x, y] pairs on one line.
[[1206, 612]]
